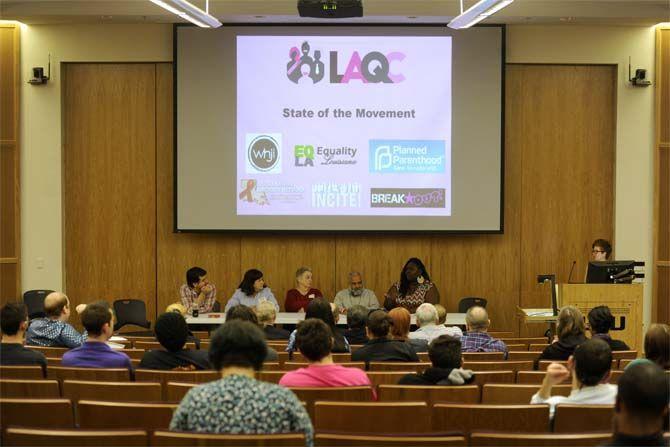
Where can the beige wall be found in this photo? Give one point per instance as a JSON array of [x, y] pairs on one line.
[[41, 177]]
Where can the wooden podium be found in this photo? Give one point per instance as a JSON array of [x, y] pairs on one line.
[[624, 300]]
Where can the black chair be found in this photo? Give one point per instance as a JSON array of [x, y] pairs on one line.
[[216, 307], [34, 301], [130, 312], [466, 303]]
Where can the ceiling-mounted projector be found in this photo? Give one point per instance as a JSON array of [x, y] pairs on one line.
[[330, 9]]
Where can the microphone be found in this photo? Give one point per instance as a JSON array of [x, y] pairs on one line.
[[571, 269]]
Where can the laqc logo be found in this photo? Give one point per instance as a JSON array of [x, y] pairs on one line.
[[263, 153], [304, 155], [374, 67]]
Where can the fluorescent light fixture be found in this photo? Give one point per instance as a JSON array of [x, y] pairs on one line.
[[189, 12], [477, 12]]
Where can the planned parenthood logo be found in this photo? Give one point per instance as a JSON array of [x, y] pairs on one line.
[[263, 153], [407, 156], [407, 197]]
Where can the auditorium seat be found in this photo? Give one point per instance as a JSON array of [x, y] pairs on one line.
[[482, 377], [291, 366], [270, 376], [623, 363], [61, 373], [309, 395], [537, 439], [571, 418], [200, 335], [54, 361], [34, 389], [510, 418], [155, 345], [204, 345], [271, 366], [501, 334], [614, 376], [76, 437], [49, 351], [163, 377], [483, 356], [43, 413], [355, 347], [166, 438], [630, 355], [386, 377], [21, 372], [533, 377], [537, 347], [328, 439], [522, 355], [372, 417], [517, 347], [504, 365], [466, 394], [282, 356], [118, 415], [511, 394], [112, 391], [399, 366], [175, 391], [133, 353], [524, 340], [543, 364]]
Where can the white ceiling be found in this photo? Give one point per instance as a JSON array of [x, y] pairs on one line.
[[611, 12]]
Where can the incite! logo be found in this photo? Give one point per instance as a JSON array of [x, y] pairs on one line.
[[263, 153], [304, 155], [407, 156], [407, 198]]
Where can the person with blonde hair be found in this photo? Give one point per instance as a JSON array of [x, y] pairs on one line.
[[266, 313], [571, 332], [176, 307], [180, 309]]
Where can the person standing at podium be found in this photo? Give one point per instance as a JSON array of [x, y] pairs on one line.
[[601, 250]]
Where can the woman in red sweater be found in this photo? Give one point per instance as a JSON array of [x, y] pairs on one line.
[[297, 299]]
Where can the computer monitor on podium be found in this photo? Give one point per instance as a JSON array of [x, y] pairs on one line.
[[610, 272]]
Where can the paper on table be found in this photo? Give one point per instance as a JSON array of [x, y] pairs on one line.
[[117, 338]]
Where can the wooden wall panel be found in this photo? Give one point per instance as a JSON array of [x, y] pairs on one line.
[[8, 200], [8, 288], [219, 254], [109, 154], [8, 82], [566, 116]]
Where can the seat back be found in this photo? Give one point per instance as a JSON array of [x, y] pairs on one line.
[[166, 438], [43, 413], [466, 394], [309, 395], [156, 346], [130, 312], [270, 376], [332, 439], [34, 301], [399, 366], [21, 372], [522, 355], [35, 389], [482, 377], [386, 377], [537, 347], [511, 394], [483, 356], [175, 391], [112, 391], [134, 354], [533, 377], [535, 439], [570, 418], [504, 365], [614, 376], [617, 355], [146, 416], [61, 373], [49, 351], [163, 377], [358, 417], [467, 418], [37, 437], [469, 301], [524, 340]]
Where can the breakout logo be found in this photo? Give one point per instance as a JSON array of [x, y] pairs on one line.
[[407, 197], [374, 67], [263, 153]]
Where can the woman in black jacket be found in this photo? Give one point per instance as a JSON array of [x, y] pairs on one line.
[[571, 332]]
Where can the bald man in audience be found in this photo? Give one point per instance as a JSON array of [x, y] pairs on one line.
[[641, 407], [53, 330], [476, 339]]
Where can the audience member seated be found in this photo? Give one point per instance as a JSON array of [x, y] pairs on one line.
[[601, 321], [314, 339], [98, 320], [641, 408], [445, 355], [355, 333], [476, 339], [413, 289], [266, 314], [381, 347], [197, 293], [238, 403], [320, 308], [657, 345], [53, 330], [252, 291], [441, 314], [299, 298], [244, 313], [590, 368], [172, 332], [400, 329], [14, 322], [429, 329], [570, 334], [181, 310], [355, 295]]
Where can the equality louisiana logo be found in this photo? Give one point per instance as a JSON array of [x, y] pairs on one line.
[[407, 197], [374, 67], [263, 153]]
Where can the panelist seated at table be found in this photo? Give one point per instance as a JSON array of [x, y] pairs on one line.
[[413, 289], [299, 298], [198, 292], [252, 291], [355, 295]]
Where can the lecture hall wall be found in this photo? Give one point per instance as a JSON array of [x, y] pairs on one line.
[[498, 267]]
